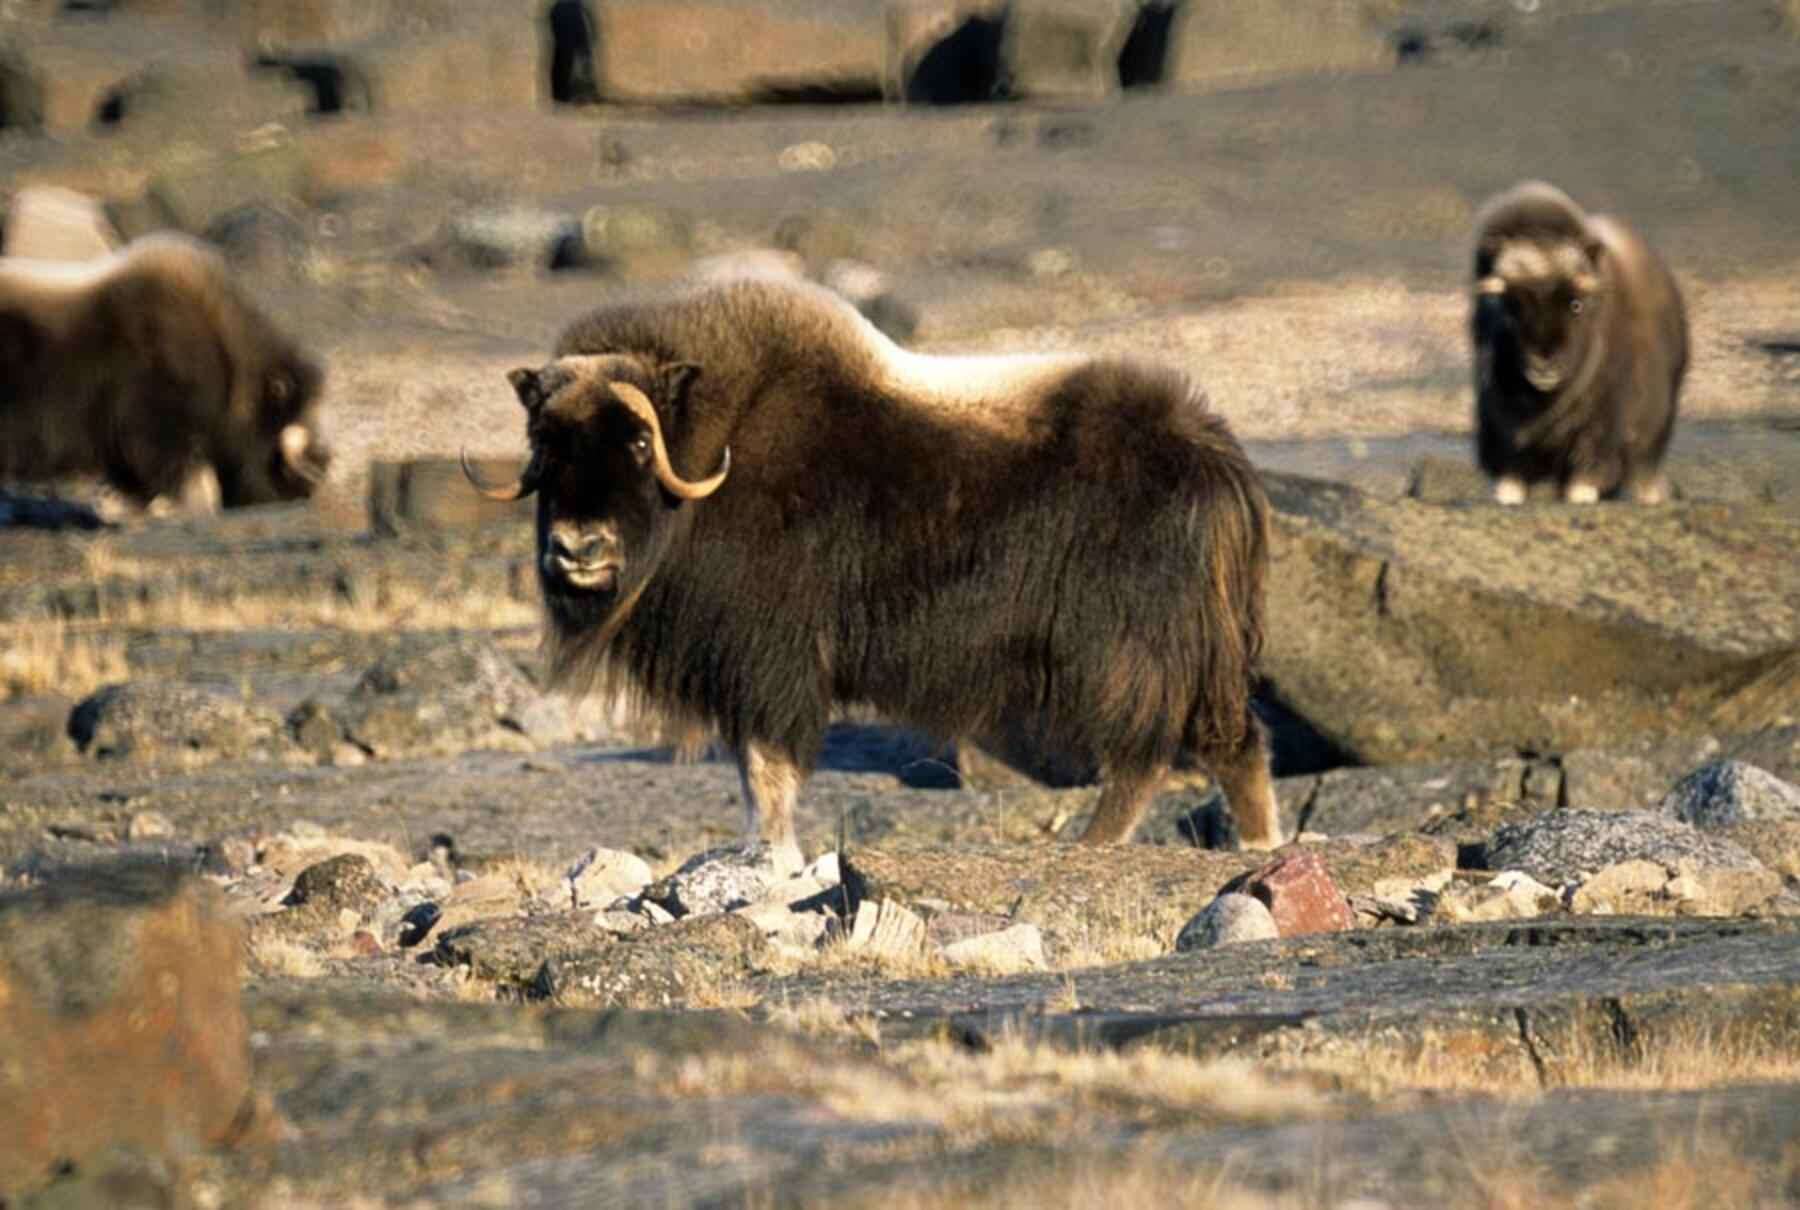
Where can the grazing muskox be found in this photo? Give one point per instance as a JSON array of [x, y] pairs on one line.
[[753, 507], [150, 367], [1580, 346]]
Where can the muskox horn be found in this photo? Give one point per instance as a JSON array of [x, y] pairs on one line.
[[518, 489], [294, 441], [639, 403], [1493, 283]]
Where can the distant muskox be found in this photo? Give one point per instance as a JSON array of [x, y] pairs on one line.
[[149, 367], [1580, 347], [754, 507]]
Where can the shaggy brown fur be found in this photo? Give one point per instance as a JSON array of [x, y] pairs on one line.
[[1097, 564], [1580, 344], [147, 367]]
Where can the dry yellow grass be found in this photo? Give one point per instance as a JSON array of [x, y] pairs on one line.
[[272, 955], [1686, 1056], [403, 607], [46, 656]]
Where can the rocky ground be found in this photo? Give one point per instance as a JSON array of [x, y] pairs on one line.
[[310, 896]]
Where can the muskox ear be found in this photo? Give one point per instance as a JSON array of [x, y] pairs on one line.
[[678, 378], [528, 385]]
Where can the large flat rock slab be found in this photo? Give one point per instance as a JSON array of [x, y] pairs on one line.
[[1406, 631], [1509, 998]]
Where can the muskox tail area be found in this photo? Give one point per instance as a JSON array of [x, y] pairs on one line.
[[1231, 514]]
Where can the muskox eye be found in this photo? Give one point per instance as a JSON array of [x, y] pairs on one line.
[[1575, 306], [640, 447]]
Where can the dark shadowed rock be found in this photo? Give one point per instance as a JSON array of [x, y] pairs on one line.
[[444, 698], [122, 1026], [1561, 846], [166, 721], [1396, 626], [1727, 793]]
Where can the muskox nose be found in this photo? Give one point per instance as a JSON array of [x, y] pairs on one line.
[[576, 552]]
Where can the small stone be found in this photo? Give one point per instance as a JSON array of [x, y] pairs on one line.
[[1228, 919], [1299, 892], [347, 883], [656, 913], [886, 929], [778, 923], [602, 875], [1627, 887], [417, 923], [149, 825], [622, 922], [1011, 951], [364, 944], [1727, 793], [825, 869]]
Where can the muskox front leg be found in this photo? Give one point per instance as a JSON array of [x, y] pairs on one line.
[[771, 784], [1242, 771]]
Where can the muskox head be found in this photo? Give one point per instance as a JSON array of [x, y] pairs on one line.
[[283, 457], [610, 501], [1538, 279]]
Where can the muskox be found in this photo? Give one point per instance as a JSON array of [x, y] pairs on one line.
[[754, 508], [1580, 346], [151, 367]]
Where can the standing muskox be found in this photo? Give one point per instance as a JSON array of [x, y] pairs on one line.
[[1580, 346], [149, 367], [753, 507]]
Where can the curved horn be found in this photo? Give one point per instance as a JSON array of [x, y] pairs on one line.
[[294, 441], [640, 406], [518, 489], [1493, 283]]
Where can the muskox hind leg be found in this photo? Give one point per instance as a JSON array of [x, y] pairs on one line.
[[771, 784], [1123, 797], [1242, 771]]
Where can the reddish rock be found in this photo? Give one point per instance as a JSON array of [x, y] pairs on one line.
[[1299, 892], [120, 1025]]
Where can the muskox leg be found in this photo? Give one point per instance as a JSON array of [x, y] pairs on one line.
[[1509, 489], [1122, 800], [1242, 771], [771, 784], [1647, 487], [1581, 491]]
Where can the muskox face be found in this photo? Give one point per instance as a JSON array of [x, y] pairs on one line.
[[609, 501], [1536, 305], [284, 457]]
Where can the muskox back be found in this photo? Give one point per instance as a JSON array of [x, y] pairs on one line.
[[148, 366], [1087, 549], [1581, 345]]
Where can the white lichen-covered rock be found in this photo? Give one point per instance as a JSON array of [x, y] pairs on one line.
[[1010, 951], [601, 876], [1729, 792], [1227, 920], [718, 880], [1564, 846]]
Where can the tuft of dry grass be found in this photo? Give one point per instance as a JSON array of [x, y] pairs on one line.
[[46, 656], [1683, 1056], [272, 955], [817, 1016]]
